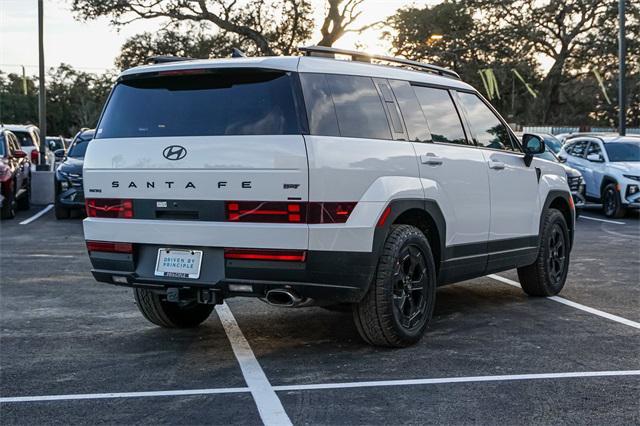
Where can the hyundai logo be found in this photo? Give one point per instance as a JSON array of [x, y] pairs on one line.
[[174, 152]]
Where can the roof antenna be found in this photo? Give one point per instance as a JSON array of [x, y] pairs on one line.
[[237, 53]]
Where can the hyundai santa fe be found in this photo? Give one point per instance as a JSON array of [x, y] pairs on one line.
[[309, 181]]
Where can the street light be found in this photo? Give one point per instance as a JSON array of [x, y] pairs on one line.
[[42, 105], [435, 37]]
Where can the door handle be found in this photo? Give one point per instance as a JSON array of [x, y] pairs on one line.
[[496, 165], [431, 159]]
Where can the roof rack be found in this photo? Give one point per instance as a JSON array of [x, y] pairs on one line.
[[163, 59], [366, 57]]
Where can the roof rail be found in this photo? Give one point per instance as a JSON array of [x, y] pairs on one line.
[[366, 57], [163, 59]]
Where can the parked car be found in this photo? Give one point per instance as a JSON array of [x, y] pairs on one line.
[[29, 137], [57, 145], [610, 166], [309, 180], [574, 177], [15, 175], [69, 192]]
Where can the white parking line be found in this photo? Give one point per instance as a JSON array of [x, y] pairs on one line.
[[73, 397], [320, 386], [377, 383], [269, 405], [615, 222], [37, 215], [574, 304]]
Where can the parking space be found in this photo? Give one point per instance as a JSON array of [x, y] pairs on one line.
[[64, 334]]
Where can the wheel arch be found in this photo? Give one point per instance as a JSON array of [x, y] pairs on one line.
[[606, 180], [562, 201], [425, 215]]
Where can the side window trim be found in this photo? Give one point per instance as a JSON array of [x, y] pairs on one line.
[[469, 136], [390, 105]]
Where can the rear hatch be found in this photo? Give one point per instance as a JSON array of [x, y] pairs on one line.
[[183, 145]]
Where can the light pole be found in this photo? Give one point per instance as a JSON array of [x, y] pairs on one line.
[[622, 118], [42, 95]]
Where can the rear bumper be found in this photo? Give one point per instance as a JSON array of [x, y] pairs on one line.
[[329, 277]]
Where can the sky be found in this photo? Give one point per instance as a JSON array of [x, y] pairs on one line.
[[92, 46]]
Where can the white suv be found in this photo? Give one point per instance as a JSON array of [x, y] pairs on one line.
[[311, 181], [610, 165]]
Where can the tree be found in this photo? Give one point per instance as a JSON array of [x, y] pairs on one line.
[[467, 48], [340, 16], [74, 99], [193, 42], [271, 26], [571, 33]]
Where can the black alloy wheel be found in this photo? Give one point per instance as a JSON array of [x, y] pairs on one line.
[[557, 255], [409, 296]]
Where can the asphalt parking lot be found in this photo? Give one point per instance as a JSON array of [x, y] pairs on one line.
[[76, 351]]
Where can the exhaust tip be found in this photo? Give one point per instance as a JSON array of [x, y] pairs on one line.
[[282, 298]]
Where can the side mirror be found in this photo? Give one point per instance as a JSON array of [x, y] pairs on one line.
[[532, 144], [562, 159], [19, 154], [596, 158], [59, 153]]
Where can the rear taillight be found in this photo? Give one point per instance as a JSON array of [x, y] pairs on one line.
[[109, 207], [330, 212], [35, 156], [109, 247], [260, 254], [266, 211], [286, 212]]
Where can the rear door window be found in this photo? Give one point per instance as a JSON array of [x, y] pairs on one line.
[[202, 103], [441, 114], [578, 148], [486, 127], [358, 107]]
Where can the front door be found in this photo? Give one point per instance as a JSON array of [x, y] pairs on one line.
[[515, 204]]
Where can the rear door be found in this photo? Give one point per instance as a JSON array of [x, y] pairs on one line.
[[452, 171], [180, 144]]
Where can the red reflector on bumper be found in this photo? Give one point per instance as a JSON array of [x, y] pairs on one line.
[[110, 247], [255, 254]]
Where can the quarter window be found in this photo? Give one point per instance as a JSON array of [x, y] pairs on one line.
[[487, 128], [320, 110], [441, 114]]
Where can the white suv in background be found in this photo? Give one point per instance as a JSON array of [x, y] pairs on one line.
[[610, 166], [311, 181]]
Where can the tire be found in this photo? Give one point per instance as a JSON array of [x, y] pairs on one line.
[[611, 202], [24, 203], [61, 211], [169, 314], [383, 316], [9, 206], [547, 275]]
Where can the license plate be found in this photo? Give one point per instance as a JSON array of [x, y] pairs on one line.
[[178, 263]]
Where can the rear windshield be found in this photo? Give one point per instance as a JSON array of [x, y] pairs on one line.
[[24, 138], [232, 102]]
